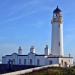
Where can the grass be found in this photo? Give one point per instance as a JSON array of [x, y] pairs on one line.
[[54, 71]]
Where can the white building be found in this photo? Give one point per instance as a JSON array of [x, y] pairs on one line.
[[57, 51]]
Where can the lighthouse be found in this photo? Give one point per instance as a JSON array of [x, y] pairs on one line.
[[57, 33], [55, 58]]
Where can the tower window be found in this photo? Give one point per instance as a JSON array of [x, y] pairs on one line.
[[59, 43], [59, 25]]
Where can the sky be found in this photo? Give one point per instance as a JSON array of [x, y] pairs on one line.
[[28, 22]]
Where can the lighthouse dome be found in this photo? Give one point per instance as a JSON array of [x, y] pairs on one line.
[[57, 10]]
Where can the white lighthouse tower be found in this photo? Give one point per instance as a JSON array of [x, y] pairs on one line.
[[57, 33]]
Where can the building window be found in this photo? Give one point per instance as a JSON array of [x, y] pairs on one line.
[[62, 62], [69, 60], [10, 62], [38, 62], [50, 62], [19, 61], [13, 61], [30, 61], [65, 64], [25, 61]]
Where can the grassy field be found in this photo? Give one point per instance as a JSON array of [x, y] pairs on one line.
[[54, 71]]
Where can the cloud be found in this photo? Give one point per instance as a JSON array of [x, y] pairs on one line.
[[24, 9]]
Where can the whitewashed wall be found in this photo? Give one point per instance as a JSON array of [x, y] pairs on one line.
[[41, 60], [54, 60]]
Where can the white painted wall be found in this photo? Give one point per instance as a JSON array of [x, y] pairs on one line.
[[57, 36], [69, 61], [5, 59], [54, 61], [43, 60]]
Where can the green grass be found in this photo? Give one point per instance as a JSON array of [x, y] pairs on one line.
[[54, 71]]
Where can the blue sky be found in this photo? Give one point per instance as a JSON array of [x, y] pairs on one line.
[[28, 22]]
